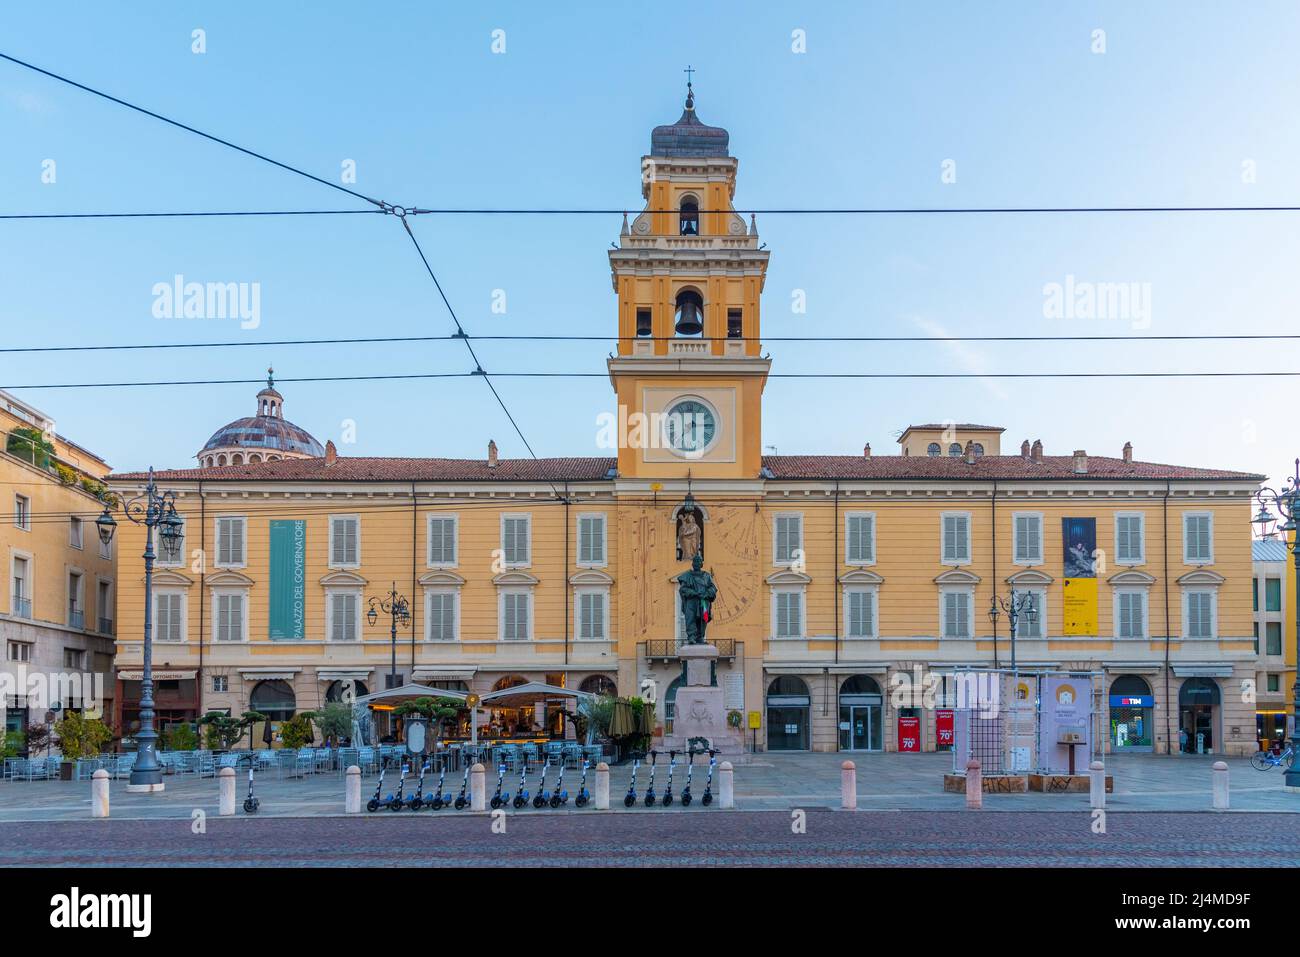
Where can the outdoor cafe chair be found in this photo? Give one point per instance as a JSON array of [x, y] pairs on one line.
[[122, 767], [324, 759], [366, 760], [305, 761], [554, 752], [16, 768]]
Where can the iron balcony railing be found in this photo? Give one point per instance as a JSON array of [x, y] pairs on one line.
[[668, 648], [22, 607], [106, 626], [76, 618]]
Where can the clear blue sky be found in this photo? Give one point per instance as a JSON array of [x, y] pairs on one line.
[[1184, 93]]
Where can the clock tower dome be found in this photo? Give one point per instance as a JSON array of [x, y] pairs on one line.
[[688, 273]]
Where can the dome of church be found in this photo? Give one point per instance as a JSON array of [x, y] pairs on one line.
[[688, 136], [265, 437]]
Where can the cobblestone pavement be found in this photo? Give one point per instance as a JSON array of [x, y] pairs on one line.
[[771, 782], [677, 838]]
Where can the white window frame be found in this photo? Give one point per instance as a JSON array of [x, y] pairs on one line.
[[874, 624], [860, 562], [22, 512], [527, 592], [100, 584], [455, 539], [76, 533], [216, 540], [1187, 560], [344, 516], [1040, 613], [943, 519], [801, 592], [218, 592], [1016, 557], [454, 593], [969, 592], [1142, 538], [24, 656], [79, 599], [330, 594], [1144, 594], [160, 590], [15, 556], [578, 594], [526, 517], [798, 550], [1188, 591], [162, 562], [604, 540]]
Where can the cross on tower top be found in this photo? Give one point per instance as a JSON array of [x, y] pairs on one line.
[[688, 71]]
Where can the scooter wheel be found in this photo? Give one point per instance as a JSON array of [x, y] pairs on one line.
[[539, 801], [649, 800], [460, 803], [495, 802], [555, 802], [707, 799], [580, 801], [628, 801], [435, 804], [417, 804], [372, 805], [686, 800], [395, 805], [250, 806]]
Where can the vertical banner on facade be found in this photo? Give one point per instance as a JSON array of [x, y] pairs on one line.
[[909, 733], [943, 731], [1066, 703], [288, 576], [1079, 605]]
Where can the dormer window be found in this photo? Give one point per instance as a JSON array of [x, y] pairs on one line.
[[933, 450], [689, 217], [954, 450]]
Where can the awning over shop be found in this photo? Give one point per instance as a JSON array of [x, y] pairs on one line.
[[530, 692], [391, 697], [1210, 670]]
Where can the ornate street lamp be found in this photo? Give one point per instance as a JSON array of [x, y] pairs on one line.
[[1287, 502], [153, 509], [1020, 603], [398, 609]]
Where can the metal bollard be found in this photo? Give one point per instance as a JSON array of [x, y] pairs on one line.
[[99, 794], [1096, 784], [226, 792], [726, 786], [600, 793], [974, 786], [848, 785], [352, 790], [477, 788], [1219, 786]]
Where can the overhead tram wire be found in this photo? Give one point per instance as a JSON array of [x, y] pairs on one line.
[[866, 211], [204, 213]]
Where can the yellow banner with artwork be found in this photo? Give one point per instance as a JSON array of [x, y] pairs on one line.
[[1080, 606]]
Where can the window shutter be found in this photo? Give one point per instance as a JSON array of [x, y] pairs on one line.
[[345, 542], [230, 547], [1027, 533], [1198, 538], [861, 613], [591, 540], [442, 541], [955, 530], [859, 543], [515, 540], [448, 616]]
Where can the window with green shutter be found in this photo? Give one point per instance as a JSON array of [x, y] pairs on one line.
[[860, 540], [442, 540], [442, 616], [515, 539], [591, 615], [956, 538], [591, 539], [788, 531], [861, 614]]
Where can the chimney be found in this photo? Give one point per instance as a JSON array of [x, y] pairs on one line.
[[1036, 452], [1024, 450], [1128, 452], [969, 452], [866, 451], [1080, 462], [331, 453], [492, 454]]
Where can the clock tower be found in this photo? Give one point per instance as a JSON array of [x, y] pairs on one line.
[[688, 273]]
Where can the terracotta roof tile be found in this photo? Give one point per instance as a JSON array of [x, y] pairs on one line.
[[985, 468], [366, 469]]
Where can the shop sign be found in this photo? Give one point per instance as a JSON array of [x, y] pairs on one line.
[[909, 734], [943, 721], [1132, 701]]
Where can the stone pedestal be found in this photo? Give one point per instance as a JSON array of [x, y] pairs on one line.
[[699, 711]]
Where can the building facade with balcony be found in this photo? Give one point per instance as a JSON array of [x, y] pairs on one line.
[[1273, 601], [58, 608], [840, 577]]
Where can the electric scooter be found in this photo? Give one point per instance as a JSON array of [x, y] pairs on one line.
[[543, 796], [690, 771], [521, 795], [373, 804], [559, 795], [397, 802], [650, 791], [251, 804], [462, 801], [497, 799], [583, 796], [708, 784], [668, 791], [630, 798], [439, 800], [416, 800]]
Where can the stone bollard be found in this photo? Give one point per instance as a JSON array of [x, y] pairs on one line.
[[1096, 784], [974, 786], [848, 785], [600, 793], [1220, 786], [352, 790], [226, 792], [99, 794], [726, 786], [477, 788]]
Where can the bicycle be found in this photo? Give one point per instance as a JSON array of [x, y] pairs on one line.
[[1267, 760]]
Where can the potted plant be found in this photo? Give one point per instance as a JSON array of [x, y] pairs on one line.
[[79, 737], [334, 721], [438, 711], [297, 732], [222, 732]]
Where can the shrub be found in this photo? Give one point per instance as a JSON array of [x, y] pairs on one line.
[[334, 721], [81, 737], [297, 732], [180, 737], [222, 732]]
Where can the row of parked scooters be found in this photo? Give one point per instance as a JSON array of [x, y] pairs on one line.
[[666, 799], [556, 797]]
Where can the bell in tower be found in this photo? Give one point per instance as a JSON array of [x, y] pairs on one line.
[[690, 313]]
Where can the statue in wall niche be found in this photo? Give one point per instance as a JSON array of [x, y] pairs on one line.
[[690, 537], [697, 592]]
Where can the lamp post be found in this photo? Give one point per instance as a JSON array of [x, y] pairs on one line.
[[398, 609], [1287, 502], [1019, 603], [153, 509]]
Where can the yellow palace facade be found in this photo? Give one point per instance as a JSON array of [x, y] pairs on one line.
[[840, 578]]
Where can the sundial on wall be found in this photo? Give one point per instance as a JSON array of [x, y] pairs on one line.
[[732, 546]]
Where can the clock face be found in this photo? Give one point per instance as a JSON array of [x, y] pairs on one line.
[[689, 427]]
